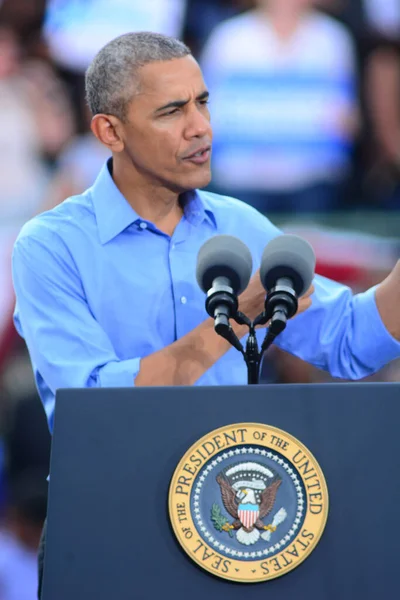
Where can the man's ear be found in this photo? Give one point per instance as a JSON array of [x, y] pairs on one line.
[[107, 130]]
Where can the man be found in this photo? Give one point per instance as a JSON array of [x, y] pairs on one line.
[[105, 282]]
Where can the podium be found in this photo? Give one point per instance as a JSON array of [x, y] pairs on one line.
[[115, 451]]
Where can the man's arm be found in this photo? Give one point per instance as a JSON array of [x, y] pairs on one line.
[[351, 336], [185, 361], [68, 346]]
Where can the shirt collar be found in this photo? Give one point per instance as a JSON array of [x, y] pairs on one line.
[[197, 209], [114, 214]]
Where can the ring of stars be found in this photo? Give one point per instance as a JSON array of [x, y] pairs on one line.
[[223, 547]]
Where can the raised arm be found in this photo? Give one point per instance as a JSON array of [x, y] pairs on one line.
[[351, 336]]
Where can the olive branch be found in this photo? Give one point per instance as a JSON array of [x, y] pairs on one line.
[[219, 520]]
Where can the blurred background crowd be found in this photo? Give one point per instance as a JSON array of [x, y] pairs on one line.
[[305, 103]]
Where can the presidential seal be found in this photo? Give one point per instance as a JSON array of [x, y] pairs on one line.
[[248, 502]]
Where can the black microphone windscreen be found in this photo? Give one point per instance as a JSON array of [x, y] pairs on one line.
[[288, 256], [224, 256]]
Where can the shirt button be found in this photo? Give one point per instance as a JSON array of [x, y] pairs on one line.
[[143, 225], [183, 299], [173, 247]]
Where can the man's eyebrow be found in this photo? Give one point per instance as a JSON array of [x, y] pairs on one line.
[[204, 95], [180, 103]]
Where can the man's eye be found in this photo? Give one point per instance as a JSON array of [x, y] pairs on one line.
[[171, 112]]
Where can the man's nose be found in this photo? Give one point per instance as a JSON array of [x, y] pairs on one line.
[[198, 125]]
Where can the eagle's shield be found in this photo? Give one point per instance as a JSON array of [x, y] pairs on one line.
[[248, 514]]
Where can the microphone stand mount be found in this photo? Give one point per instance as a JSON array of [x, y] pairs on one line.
[[276, 313]]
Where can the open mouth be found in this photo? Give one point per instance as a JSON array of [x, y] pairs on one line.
[[200, 157]]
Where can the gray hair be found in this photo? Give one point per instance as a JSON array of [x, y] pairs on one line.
[[112, 78]]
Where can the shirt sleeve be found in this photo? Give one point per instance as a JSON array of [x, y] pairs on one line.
[[67, 346], [341, 333]]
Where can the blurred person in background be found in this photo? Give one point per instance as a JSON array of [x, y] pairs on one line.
[[383, 88], [283, 87], [26, 438], [35, 122], [26, 21], [77, 29], [375, 28], [202, 16], [76, 167], [19, 539], [24, 464]]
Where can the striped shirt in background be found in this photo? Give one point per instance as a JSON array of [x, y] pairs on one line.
[[282, 111]]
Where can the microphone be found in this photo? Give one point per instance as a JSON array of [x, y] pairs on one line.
[[224, 267], [286, 273]]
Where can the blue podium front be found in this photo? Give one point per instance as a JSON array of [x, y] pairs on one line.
[[127, 461]]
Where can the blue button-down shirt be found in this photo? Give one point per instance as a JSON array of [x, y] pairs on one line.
[[98, 288]]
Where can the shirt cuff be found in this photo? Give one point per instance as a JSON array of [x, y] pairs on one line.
[[119, 374], [378, 341]]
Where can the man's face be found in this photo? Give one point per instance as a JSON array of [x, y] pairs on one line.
[[167, 134]]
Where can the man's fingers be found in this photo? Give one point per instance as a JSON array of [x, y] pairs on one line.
[[310, 291], [304, 304], [305, 301]]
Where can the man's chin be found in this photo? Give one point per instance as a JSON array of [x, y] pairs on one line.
[[200, 180], [193, 181]]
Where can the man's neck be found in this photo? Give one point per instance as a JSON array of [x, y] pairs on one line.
[[153, 203]]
